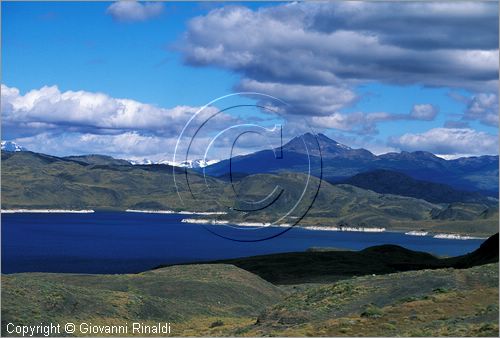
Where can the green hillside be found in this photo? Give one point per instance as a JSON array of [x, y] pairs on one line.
[[37, 181], [190, 297], [97, 160], [393, 182], [325, 266], [222, 300], [31, 180], [444, 302], [346, 205], [309, 295]]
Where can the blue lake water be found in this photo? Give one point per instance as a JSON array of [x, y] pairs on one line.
[[114, 242]]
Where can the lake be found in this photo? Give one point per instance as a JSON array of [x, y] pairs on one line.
[[119, 242]]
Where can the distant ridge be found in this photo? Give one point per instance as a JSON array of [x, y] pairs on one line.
[[97, 160], [340, 162], [396, 183]]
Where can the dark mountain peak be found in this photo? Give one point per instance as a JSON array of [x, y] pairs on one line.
[[310, 138], [329, 148], [326, 139], [298, 143]]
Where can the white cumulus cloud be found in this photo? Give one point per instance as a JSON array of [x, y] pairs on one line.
[[81, 110], [426, 112], [131, 10], [483, 107], [448, 141]]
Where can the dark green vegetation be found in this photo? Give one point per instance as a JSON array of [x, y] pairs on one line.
[[97, 160], [392, 182], [221, 299], [445, 302], [328, 266], [346, 205], [37, 181], [182, 295]]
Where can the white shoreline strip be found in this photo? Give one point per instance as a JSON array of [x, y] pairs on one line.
[[203, 213], [223, 222], [47, 211], [243, 224], [151, 211], [261, 225], [416, 233], [353, 229], [203, 221], [454, 236]]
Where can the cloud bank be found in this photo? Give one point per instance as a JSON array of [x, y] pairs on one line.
[[326, 43], [449, 141], [98, 113], [314, 54]]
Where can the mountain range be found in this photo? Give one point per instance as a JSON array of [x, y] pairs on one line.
[[103, 159], [191, 164], [340, 162], [467, 176], [38, 181]]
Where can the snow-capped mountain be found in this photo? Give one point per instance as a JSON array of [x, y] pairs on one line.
[[12, 146], [199, 163], [144, 161]]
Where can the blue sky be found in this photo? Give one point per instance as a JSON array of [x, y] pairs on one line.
[[77, 46], [360, 82]]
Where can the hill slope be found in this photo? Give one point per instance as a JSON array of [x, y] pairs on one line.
[[186, 296], [445, 302], [392, 182], [38, 181], [222, 300], [328, 266], [346, 205], [97, 160]]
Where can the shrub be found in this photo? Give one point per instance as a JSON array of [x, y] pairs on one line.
[[217, 323], [372, 311]]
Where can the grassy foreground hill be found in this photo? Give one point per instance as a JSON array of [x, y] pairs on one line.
[[445, 302], [192, 298], [222, 300]]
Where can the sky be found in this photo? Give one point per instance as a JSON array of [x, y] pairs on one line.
[[139, 80]]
